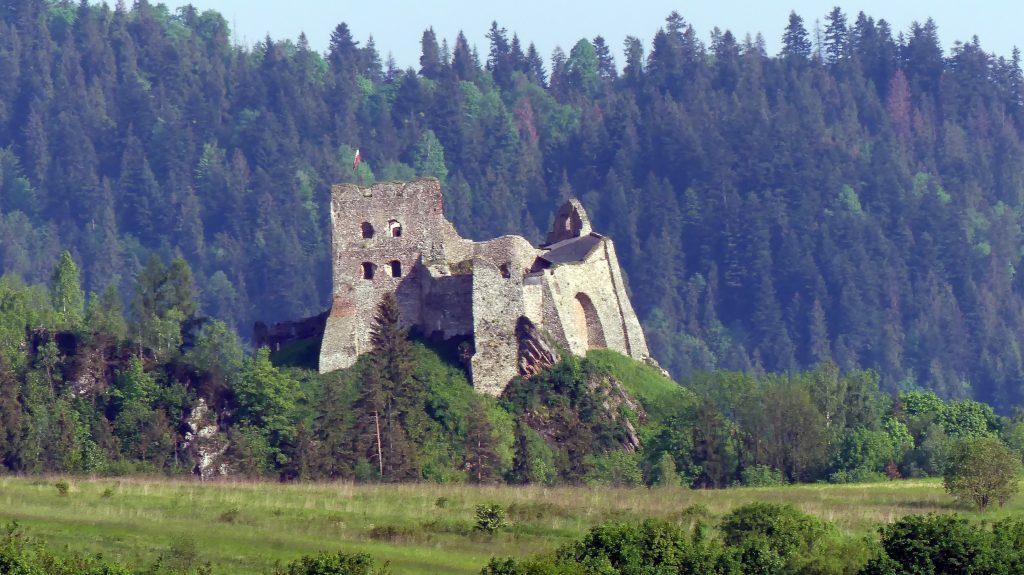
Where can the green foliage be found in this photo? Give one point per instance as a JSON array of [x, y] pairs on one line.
[[982, 471], [615, 469], [785, 530], [761, 476], [334, 564], [266, 401], [428, 157], [66, 291], [63, 487], [664, 474], [490, 517], [929, 544]]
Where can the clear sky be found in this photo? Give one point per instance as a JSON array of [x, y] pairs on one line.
[[397, 25]]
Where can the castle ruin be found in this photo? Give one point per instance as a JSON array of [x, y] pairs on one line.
[[393, 237]]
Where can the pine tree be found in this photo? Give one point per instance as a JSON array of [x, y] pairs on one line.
[[66, 293], [836, 36], [430, 56], [605, 59], [795, 43], [463, 65], [482, 463], [390, 405]]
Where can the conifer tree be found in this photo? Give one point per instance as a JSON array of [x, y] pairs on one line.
[[66, 293], [390, 397], [795, 42], [482, 461]]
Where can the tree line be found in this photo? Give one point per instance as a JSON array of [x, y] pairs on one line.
[[88, 386], [854, 198]]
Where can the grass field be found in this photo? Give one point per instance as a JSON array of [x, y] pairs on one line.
[[249, 527]]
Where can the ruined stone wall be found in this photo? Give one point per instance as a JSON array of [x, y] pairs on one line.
[[404, 221], [497, 306], [448, 286], [595, 281], [447, 309]]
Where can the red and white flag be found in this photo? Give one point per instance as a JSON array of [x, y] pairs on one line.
[[356, 161]]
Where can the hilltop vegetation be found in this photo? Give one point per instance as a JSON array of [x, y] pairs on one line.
[[856, 200], [88, 389]]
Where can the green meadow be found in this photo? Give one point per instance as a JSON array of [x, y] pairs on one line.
[[249, 527]]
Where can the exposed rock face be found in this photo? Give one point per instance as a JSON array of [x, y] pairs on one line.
[[535, 354], [393, 237], [614, 398], [205, 442]]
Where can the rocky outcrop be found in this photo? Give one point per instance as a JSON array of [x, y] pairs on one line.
[[535, 353], [205, 442], [614, 398]]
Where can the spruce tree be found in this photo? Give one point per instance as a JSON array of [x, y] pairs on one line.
[[795, 42], [482, 463], [66, 293], [391, 400]]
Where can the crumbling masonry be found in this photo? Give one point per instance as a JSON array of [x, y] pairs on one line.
[[393, 237]]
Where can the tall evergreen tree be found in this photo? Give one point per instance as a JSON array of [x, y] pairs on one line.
[[66, 293]]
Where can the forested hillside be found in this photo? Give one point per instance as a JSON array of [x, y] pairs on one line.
[[857, 199]]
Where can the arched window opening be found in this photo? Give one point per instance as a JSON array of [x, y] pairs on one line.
[[368, 270], [367, 230], [395, 228], [588, 323], [396, 269], [505, 271]]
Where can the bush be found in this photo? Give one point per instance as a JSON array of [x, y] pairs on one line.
[[858, 475], [664, 474], [982, 471], [928, 544], [334, 564], [393, 533], [617, 469], [22, 555], [761, 476], [63, 487], [489, 518], [784, 528], [625, 548]]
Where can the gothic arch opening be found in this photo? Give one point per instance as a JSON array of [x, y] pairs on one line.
[[588, 323]]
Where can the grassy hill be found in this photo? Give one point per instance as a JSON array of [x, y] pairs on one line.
[[247, 527]]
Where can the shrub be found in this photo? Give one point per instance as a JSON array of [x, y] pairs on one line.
[[929, 544], [392, 533], [858, 475], [489, 518], [761, 476], [63, 487], [334, 564], [664, 474], [629, 548], [785, 529], [982, 471], [616, 468]]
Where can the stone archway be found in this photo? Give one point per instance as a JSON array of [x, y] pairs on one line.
[[588, 323]]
